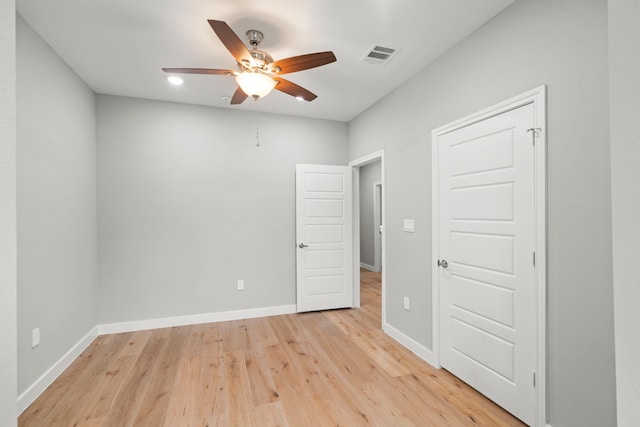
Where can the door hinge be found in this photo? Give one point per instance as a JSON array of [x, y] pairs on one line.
[[534, 379], [535, 132], [534, 259]]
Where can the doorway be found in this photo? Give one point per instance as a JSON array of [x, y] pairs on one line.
[[370, 221], [370, 215], [358, 166]]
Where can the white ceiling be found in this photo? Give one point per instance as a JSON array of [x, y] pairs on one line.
[[118, 46]]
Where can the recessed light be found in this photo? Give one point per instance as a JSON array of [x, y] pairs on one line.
[[226, 98], [175, 80], [299, 98]]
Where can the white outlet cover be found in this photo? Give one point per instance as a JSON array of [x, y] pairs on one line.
[[406, 303], [241, 285]]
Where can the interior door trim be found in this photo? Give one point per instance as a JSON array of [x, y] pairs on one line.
[[537, 97], [377, 236]]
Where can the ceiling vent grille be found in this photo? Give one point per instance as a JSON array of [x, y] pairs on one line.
[[379, 54]]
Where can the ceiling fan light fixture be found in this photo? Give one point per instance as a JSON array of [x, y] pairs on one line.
[[255, 85]]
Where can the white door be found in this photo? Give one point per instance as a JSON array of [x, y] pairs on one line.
[[324, 237], [486, 244]]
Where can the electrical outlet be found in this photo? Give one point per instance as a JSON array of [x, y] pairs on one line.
[[35, 337], [241, 285], [406, 303]]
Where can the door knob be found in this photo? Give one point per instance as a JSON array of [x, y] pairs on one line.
[[443, 263], [302, 245]]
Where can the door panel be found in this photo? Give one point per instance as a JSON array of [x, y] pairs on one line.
[[486, 233], [483, 299], [486, 251], [487, 202], [318, 208], [482, 348], [325, 259], [484, 153], [324, 229], [323, 233]]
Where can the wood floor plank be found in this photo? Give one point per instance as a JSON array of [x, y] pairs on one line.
[[316, 324], [153, 406], [350, 361], [263, 389], [212, 341], [287, 329], [125, 407], [271, 415], [331, 368], [262, 333], [181, 404], [186, 389], [283, 372], [375, 345], [106, 390], [379, 403], [241, 410], [92, 422], [210, 405], [299, 411], [235, 336]]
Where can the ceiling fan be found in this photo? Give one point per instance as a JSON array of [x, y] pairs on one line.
[[258, 73]]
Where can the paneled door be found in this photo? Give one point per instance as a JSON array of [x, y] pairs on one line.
[[324, 238], [486, 267]]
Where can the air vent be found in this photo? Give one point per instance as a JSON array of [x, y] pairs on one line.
[[379, 54]]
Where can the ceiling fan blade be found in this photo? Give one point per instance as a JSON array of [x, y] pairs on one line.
[[199, 71], [303, 62], [293, 89], [231, 41], [238, 97]]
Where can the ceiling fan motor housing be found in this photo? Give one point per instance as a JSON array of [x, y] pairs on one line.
[[261, 59]]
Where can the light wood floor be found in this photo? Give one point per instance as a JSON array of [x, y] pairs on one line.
[[332, 368]]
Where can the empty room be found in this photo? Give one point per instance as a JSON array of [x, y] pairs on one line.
[[319, 213]]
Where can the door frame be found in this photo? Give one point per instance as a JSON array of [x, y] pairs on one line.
[[537, 97], [355, 166], [377, 236]]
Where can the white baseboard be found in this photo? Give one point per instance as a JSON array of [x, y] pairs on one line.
[[45, 380], [368, 267], [194, 319], [411, 344]]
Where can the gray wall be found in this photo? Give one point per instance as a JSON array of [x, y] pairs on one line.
[[562, 44], [624, 69], [368, 175], [187, 205], [56, 187], [8, 251]]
